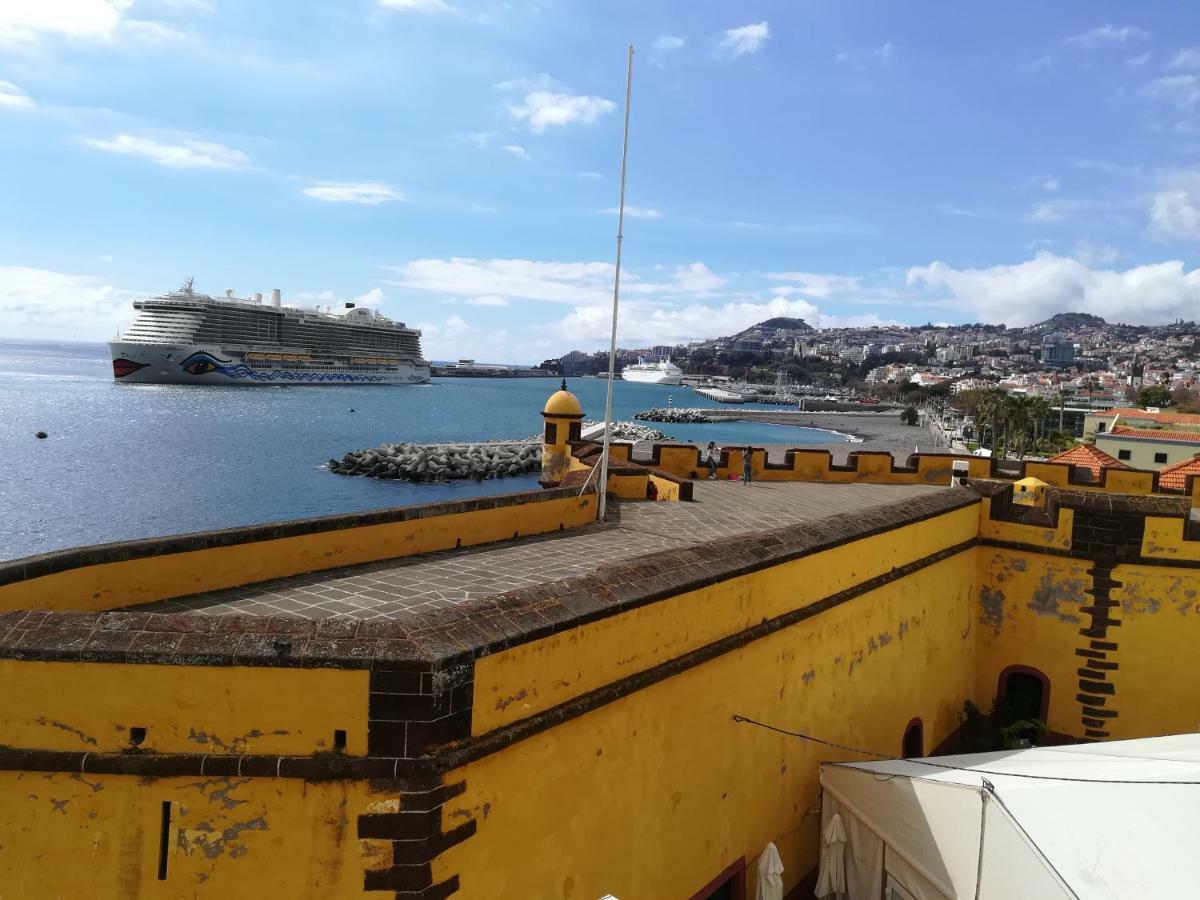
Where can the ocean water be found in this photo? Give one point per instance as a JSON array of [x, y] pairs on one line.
[[131, 461]]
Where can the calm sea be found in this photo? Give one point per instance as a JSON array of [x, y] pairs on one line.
[[130, 461]]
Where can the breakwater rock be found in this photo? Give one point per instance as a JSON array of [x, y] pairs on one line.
[[676, 414], [441, 462], [623, 431]]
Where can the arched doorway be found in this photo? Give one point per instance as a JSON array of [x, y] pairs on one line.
[[914, 740], [1026, 693]]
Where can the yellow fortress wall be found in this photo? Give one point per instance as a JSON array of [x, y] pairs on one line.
[[577, 737], [666, 790]]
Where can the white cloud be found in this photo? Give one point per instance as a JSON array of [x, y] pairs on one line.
[[540, 82], [646, 323], [741, 41], [818, 284], [574, 283], [29, 22], [590, 176], [487, 300], [864, 59], [38, 303], [543, 109], [1136, 62], [12, 97], [1095, 254], [368, 193], [1175, 208], [558, 282], [152, 32], [667, 43], [1033, 290], [1182, 91], [418, 6], [696, 278], [1064, 208], [26, 21], [1041, 64], [953, 209], [1187, 58], [635, 212], [182, 154], [1106, 36], [516, 150], [373, 299]]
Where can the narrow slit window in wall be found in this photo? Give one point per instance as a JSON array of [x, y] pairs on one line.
[[164, 841]]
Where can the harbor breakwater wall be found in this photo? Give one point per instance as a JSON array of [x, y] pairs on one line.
[[442, 462]]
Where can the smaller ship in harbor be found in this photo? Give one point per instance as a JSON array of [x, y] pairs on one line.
[[185, 337], [661, 372]]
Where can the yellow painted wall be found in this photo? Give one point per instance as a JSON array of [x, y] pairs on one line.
[[1058, 538], [98, 836], [811, 465], [90, 707], [510, 685], [1165, 539], [664, 790], [145, 580], [1156, 650], [1028, 614]]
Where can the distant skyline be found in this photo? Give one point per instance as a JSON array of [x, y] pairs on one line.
[[455, 163]]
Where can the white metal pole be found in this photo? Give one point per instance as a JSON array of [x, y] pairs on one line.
[[612, 345]]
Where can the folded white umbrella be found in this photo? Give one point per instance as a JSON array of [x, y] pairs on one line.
[[831, 878], [770, 874]]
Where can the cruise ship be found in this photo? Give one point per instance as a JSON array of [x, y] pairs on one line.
[[662, 372], [185, 337]]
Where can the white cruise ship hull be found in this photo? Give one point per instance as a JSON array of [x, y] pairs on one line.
[[145, 363], [651, 377]]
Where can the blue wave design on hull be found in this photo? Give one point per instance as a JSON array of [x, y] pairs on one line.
[[201, 363]]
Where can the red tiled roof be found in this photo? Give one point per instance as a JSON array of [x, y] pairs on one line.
[[1161, 417], [1088, 457], [1161, 434], [1176, 474]]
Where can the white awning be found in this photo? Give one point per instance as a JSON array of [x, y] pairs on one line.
[[1118, 830]]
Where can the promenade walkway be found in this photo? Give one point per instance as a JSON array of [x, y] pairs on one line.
[[404, 587]]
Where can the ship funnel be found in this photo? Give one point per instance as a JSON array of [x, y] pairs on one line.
[[276, 297]]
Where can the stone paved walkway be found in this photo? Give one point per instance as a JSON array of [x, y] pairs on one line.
[[417, 584]]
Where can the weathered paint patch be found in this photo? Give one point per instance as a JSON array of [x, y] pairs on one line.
[[991, 608], [214, 843], [1052, 593]]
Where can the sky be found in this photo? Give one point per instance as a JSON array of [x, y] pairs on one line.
[[455, 163]]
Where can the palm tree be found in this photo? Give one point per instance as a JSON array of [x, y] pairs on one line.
[[991, 407], [1039, 411]]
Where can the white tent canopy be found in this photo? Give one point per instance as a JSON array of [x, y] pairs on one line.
[[1126, 827]]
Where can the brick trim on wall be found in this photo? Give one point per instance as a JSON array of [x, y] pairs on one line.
[[98, 554]]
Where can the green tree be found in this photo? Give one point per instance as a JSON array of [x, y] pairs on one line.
[[910, 416], [1154, 395]]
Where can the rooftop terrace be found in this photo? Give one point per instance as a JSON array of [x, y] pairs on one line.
[[405, 589]]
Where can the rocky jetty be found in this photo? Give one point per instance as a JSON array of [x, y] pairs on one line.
[[677, 414], [441, 462], [623, 431]]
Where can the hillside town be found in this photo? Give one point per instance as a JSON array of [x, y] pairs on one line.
[[1073, 356]]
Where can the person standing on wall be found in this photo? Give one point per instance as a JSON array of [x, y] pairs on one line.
[[712, 456], [747, 464]]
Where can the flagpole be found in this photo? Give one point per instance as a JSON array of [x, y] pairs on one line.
[[612, 345]]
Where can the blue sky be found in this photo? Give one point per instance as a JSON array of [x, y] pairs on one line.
[[455, 162]]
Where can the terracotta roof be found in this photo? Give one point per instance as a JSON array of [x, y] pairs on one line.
[[1176, 474], [1088, 457], [1161, 434], [1161, 417]]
